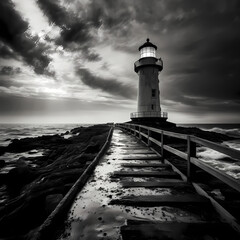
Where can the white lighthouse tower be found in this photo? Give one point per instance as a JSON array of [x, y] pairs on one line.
[[148, 68]]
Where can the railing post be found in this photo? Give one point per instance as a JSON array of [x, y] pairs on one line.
[[162, 143], [191, 152], [149, 135], [140, 136], [130, 129], [134, 130]]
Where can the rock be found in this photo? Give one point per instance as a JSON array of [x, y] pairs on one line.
[[77, 130], [2, 163], [20, 175], [51, 201], [27, 144]]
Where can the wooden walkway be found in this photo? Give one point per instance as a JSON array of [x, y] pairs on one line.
[[134, 194]]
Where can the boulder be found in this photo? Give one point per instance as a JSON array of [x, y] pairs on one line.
[[51, 202]]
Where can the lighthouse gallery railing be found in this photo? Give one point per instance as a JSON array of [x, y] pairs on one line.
[[148, 114], [145, 134]]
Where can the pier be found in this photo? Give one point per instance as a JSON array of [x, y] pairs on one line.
[[137, 192]]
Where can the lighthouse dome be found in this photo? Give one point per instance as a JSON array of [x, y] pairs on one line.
[[147, 49]]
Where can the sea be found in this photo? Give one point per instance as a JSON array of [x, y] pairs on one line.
[[8, 132]]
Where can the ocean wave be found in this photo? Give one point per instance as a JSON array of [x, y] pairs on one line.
[[234, 132]]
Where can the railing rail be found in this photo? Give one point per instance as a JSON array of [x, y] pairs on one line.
[[190, 155]]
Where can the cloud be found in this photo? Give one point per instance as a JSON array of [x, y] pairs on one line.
[[111, 86], [14, 34], [8, 70], [6, 52], [75, 32]]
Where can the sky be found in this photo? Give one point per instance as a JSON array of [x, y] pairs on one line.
[[71, 61]]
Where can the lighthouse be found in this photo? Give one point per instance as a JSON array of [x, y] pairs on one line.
[[148, 68]]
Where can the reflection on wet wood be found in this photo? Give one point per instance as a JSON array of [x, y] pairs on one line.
[[143, 165], [155, 184], [162, 200]]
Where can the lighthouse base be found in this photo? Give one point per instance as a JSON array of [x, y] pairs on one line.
[[152, 118], [153, 122]]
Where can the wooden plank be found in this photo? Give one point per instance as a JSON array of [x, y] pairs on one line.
[[138, 152], [146, 157], [142, 165], [176, 231], [175, 151], [217, 147], [155, 184], [232, 182], [162, 174], [137, 148], [140, 159], [143, 154], [161, 200]]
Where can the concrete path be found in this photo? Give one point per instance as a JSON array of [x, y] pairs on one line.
[[132, 195]]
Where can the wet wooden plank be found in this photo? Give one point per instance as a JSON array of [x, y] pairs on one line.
[[146, 157], [142, 165], [176, 231], [161, 200], [140, 159], [163, 174], [139, 153], [133, 147], [156, 184]]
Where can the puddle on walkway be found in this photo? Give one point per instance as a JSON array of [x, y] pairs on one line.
[[92, 218]]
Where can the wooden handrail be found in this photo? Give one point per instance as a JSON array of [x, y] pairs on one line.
[[190, 156]]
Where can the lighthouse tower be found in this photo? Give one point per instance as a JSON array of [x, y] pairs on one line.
[[148, 68]]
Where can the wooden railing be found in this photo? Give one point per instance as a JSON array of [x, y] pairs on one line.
[[145, 134]]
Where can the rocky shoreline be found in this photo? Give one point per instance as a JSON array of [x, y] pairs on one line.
[[34, 192]]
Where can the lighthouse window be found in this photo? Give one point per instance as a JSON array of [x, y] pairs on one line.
[[152, 107], [153, 92]]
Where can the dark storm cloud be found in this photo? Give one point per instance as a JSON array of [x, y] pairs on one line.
[[13, 33], [8, 70], [206, 72], [75, 32], [107, 85], [6, 52], [78, 30]]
